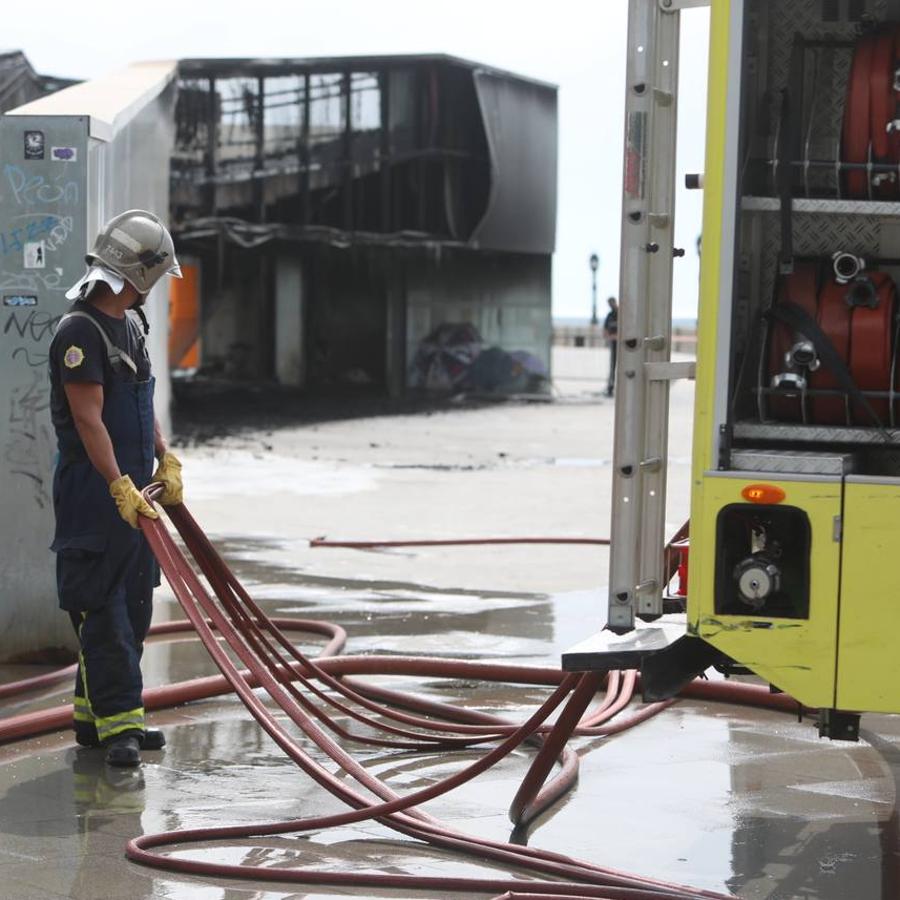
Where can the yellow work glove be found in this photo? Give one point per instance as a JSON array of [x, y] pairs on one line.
[[169, 473], [129, 501]]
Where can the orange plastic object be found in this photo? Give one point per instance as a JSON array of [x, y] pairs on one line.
[[763, 493], [184, 318]]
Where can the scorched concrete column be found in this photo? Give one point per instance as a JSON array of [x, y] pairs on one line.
[[289, 333]]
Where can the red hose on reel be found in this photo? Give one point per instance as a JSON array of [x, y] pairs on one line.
[[858, 318], [883, 110], [871, 108], [834, 320], [800, 287], [872, 347]]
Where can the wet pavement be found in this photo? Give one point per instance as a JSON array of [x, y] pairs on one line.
[[709, 795]]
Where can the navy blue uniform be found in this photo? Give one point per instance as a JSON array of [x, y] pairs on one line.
[[105, 569]]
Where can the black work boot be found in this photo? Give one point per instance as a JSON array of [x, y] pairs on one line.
[[124, 750], [152, 738], [86, 735]]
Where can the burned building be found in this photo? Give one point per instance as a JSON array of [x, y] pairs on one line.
[[333, 213]]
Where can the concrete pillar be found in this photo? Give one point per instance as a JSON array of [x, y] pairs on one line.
[[395, 356], [290, 358]]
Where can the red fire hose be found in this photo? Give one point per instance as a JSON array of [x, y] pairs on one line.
[[457, 542], [834, 320], [293, 679], [867, 133], [872, 346], [857, 318], [800, 287]]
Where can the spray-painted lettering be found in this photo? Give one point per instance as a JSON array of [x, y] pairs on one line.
[[29, 190], [57, 227], [30, 358], [32, 281], [29, 444], [60, 232], [35, 325]]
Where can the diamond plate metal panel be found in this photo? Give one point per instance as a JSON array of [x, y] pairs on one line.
[[822, 235], [813, 434], [820, 205], [805, 17], [826, 74], [796, 462]]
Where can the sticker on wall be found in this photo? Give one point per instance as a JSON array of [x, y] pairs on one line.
[[34, 145], [35, 255], [64, 154], [20, 300]]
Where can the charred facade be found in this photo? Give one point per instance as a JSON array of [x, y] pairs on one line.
[[338, 211]]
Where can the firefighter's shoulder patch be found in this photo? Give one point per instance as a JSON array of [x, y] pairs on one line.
[[73, 357]]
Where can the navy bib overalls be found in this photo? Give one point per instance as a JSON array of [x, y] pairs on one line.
[[105, 569]]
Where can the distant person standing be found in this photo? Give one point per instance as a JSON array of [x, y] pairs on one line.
[[611, 333]]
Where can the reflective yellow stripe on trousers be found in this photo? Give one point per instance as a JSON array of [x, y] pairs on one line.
[[110, 726], [82, 712]]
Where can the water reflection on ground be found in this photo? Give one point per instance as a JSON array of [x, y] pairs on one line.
[[717, 797]]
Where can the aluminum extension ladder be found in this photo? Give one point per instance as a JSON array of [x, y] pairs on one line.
[[644, 330]]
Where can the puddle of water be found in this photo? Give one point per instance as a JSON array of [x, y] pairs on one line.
[[704, 786], [242, 473]]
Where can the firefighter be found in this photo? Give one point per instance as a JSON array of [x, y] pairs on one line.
[[107, 435], [611, 333]]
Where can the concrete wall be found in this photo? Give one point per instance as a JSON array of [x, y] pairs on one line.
[[356, 315], [505, 296], [313, 316], [232, 340], [116, 135], [347, 316]]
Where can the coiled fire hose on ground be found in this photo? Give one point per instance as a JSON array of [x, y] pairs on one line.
[[295, 682]]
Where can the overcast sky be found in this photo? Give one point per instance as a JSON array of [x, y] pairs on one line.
[[578, 46]]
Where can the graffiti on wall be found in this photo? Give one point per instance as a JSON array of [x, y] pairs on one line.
[[29, 442], [42, 214]]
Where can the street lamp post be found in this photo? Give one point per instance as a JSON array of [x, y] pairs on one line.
[[595, 263]]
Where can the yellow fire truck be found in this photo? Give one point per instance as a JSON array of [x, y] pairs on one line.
[[795, 507]]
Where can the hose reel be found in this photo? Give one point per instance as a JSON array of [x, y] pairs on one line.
[[830, 354]]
